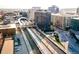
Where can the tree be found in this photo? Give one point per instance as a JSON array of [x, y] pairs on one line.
[[56, 37]]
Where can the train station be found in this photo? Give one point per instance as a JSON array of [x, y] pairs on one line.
[[38, 32]]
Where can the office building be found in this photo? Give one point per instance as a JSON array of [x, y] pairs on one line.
[[31, 12], [75, 24], [77, 11], [53, 9], [43, 20], [61, 21]]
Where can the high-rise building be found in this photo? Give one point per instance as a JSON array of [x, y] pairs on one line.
[[32, 11], [57, 20], [53, 9], [43, 19], [73, 42], [61, 21], [75, 24], [68, 11], [77, 11], [36, 8]]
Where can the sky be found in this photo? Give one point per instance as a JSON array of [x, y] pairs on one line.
[[26, 4]]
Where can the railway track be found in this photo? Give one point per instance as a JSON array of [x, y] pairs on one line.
[[28, 46], [52, 47], [40, 45], [32, 43], [43, 43]]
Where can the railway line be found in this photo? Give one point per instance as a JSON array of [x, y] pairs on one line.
[[40, 45], [37, 42], [53, 45], [26, 42], [34, 47]]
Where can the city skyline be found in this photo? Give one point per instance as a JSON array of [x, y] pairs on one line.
[[26, 4]]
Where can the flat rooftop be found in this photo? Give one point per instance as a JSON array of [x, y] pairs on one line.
[[58, 14], [8, 26], [76, 18], [65, 15], [8, 46]]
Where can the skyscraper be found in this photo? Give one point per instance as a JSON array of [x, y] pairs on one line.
[[53, 9], [43, 20], [77, 11]]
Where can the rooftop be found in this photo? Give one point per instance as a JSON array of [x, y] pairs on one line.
[[58, 14], [76, 18], [65, 15], [7, 26]]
